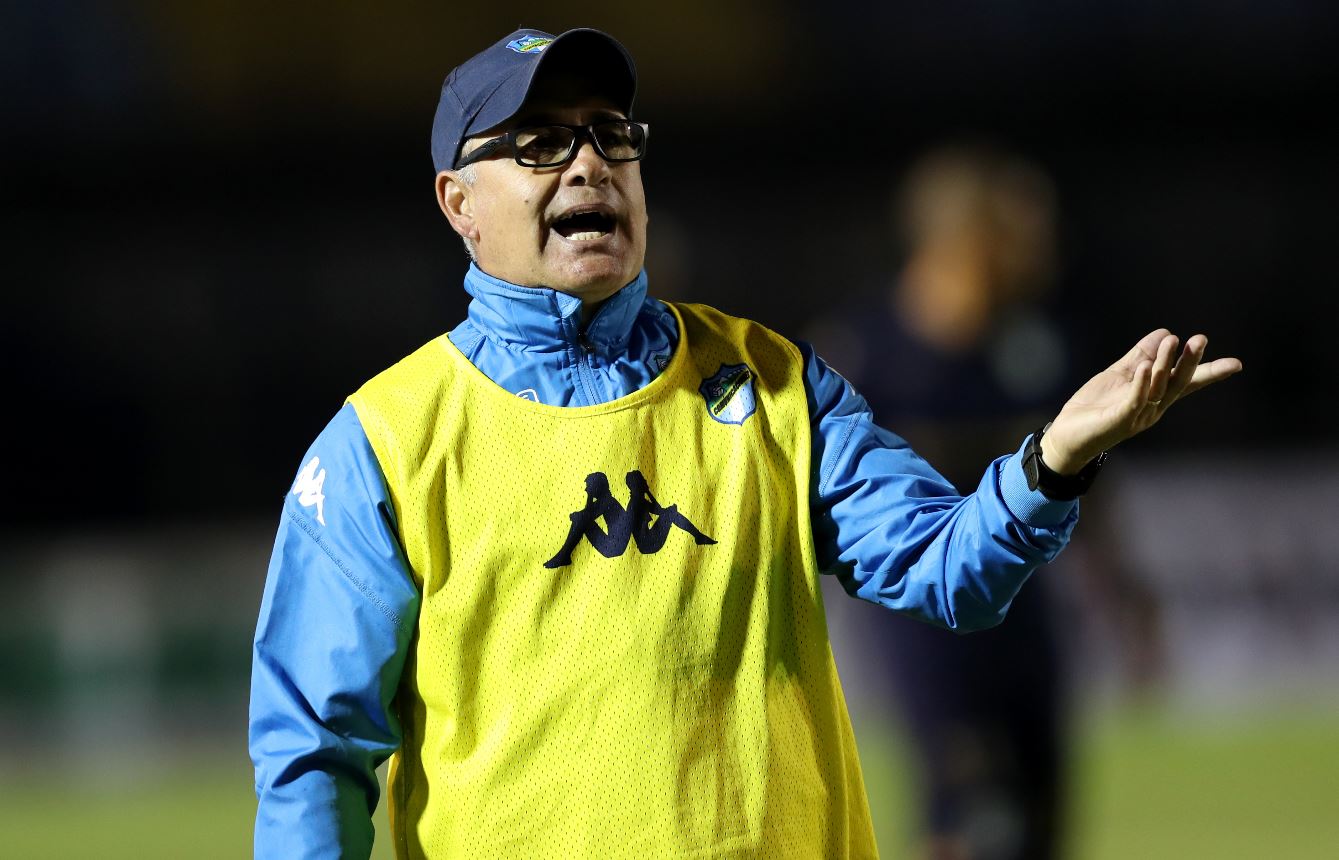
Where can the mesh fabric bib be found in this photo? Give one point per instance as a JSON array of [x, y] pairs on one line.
[[621, 648]]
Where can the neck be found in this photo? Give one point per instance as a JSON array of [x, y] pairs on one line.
[[588, 312], [535, 315]]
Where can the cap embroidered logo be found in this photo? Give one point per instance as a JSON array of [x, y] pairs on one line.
[[529, 44]]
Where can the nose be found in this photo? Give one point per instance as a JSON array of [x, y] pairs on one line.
[[587, 167]]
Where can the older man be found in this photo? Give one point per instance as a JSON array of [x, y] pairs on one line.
[[560, 667]]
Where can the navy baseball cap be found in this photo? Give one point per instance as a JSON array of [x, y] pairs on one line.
[[490, 87]]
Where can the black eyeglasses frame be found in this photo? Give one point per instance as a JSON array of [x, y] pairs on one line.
[[507, 141]]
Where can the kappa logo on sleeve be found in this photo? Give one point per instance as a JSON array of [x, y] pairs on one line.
[[729, 394], [309, 488], [644, 521]]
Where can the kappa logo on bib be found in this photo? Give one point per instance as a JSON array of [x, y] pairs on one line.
[[644, 521], [729, 394]]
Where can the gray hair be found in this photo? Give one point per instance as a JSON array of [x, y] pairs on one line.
[[467, 176]]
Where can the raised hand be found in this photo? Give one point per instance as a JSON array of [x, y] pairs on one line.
[[1129, 397]]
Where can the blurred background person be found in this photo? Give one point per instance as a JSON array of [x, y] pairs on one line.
[[960, 352]]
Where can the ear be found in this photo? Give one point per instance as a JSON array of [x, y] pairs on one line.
[[455, 199]]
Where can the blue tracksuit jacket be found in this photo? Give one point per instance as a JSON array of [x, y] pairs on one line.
[[339, 606]]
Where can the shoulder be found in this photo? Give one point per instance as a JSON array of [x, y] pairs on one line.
[[705, 321], [400, 406], [429, 362], [339, 472], [409, 386], [342, 441], [657, 313], [708, 315]]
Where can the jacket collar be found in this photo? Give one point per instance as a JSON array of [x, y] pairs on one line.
[[540, 317]]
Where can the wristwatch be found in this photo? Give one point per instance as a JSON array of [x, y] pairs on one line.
[[1053, 485]]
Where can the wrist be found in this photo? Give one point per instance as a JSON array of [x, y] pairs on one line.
[[1048, 478], [1058, 461]]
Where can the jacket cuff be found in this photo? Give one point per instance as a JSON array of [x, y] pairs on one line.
[[1033, 507]]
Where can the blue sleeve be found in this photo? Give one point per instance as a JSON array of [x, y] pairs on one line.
[[896, 533], [335, 623]]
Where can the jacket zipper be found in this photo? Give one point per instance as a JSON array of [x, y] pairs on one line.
[[585, 375]]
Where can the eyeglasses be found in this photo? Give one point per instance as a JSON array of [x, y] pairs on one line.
[[616, 140]]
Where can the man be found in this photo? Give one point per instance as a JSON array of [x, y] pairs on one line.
[[440, 591]]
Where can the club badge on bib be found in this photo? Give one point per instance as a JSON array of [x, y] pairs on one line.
[[729, 394]]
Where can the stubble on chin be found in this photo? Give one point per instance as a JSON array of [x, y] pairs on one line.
[[593, 280]]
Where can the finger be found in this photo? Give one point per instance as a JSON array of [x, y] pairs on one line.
[[1139, 387], [1185, 367], [1162, 368], [1211, 372], [1145, 349]]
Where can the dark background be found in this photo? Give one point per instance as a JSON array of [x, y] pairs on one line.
[[220, 222]]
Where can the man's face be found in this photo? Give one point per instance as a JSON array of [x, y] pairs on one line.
[[518, 213]]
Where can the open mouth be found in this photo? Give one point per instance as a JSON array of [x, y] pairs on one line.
[[584, 226]]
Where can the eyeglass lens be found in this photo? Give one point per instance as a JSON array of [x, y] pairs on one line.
[[553, 144]]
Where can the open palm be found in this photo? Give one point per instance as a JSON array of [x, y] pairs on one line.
[[1129, 397]]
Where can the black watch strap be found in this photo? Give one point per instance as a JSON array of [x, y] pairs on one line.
[[1053, 485]]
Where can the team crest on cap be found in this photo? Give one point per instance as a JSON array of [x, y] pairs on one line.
[[529, 44], [729, 394]]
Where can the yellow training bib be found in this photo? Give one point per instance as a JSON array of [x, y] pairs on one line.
[[621, 648]]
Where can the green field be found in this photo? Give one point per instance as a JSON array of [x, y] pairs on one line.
[[1145, 787]]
